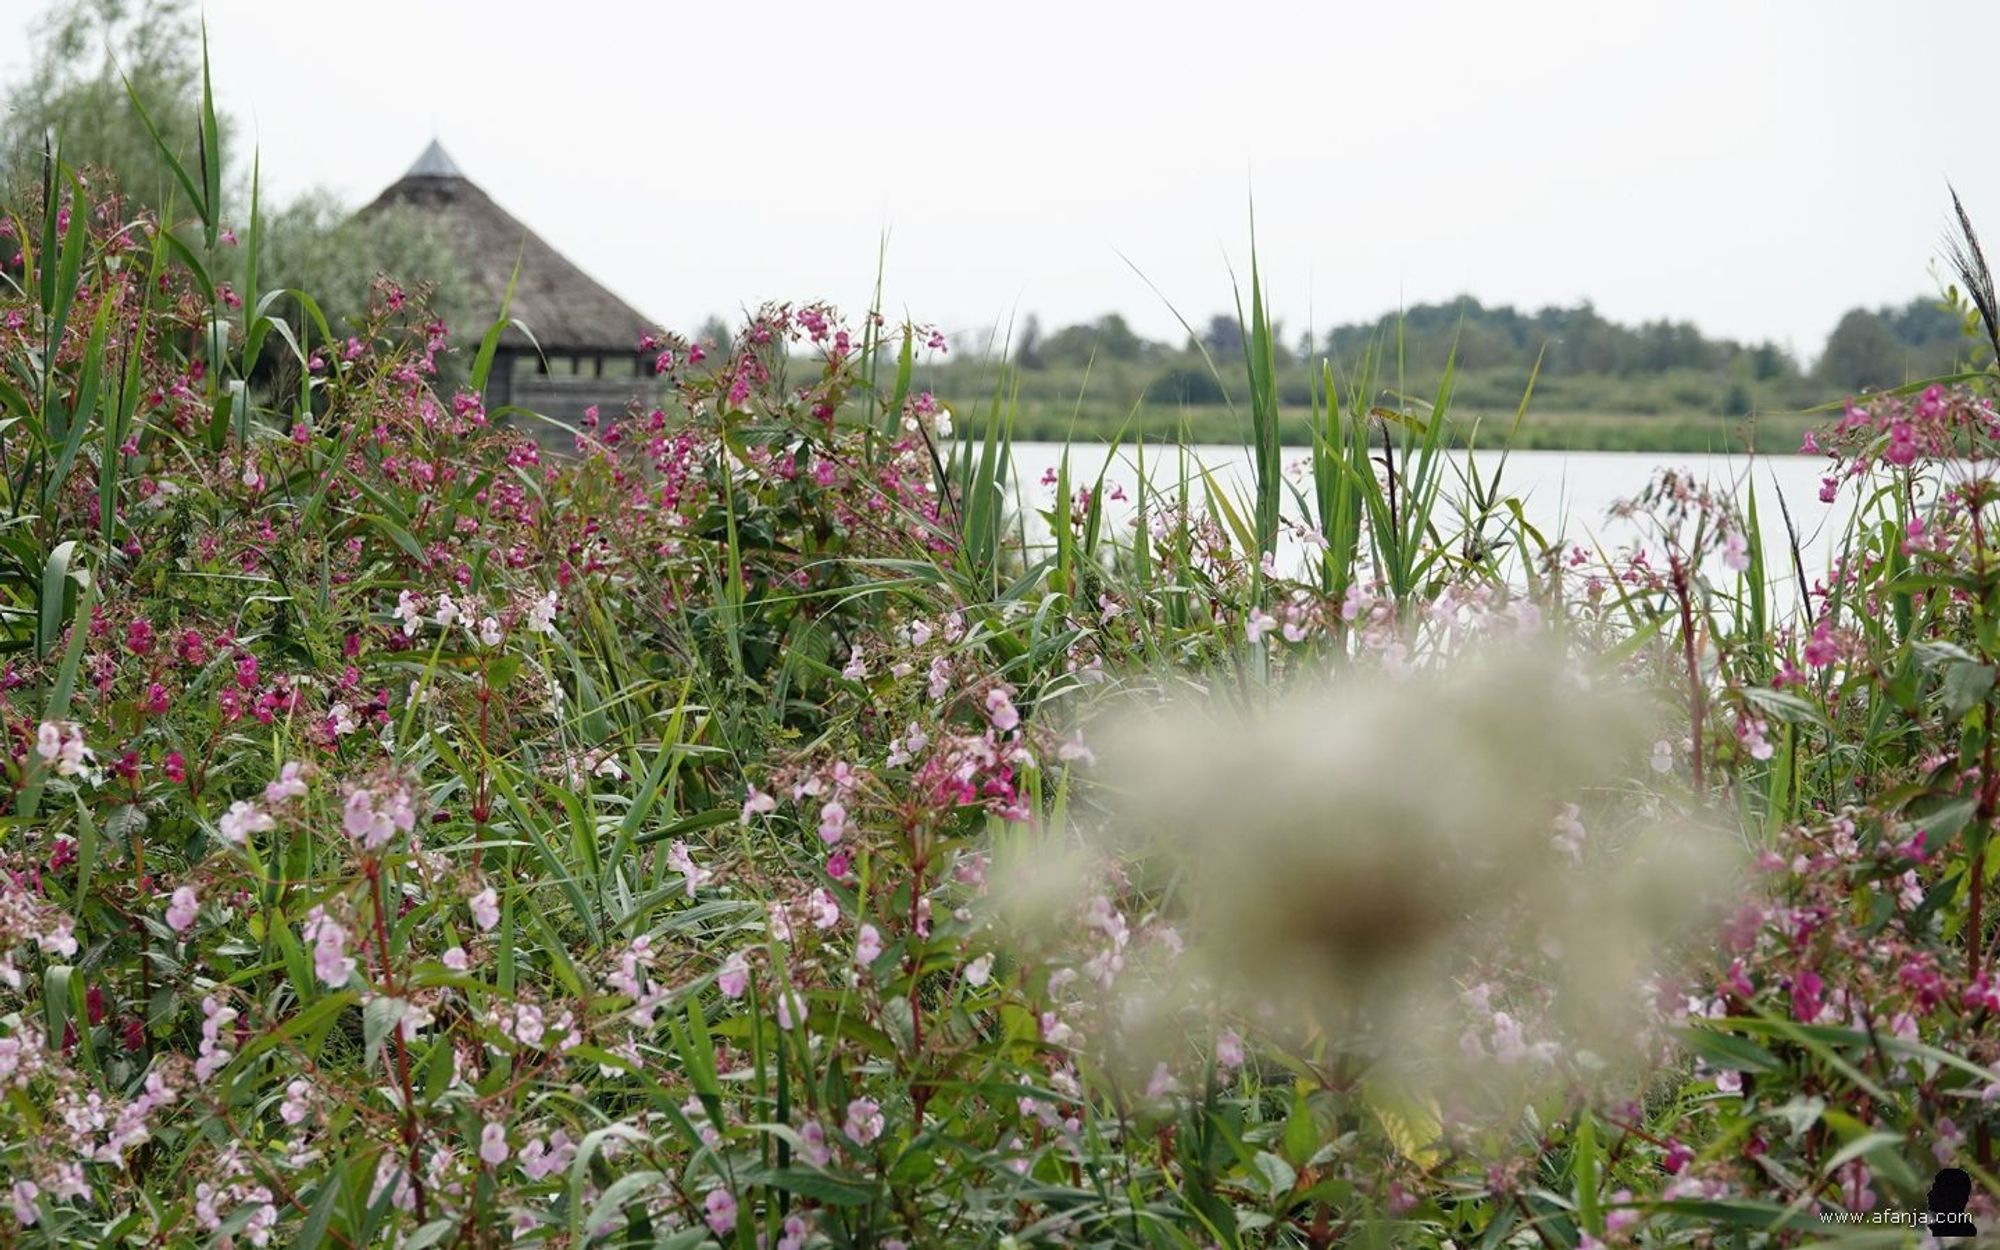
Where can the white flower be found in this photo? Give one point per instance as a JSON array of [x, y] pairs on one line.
[[447, 612], [980, 970], [489, 631], [408, 612], [542, 614]]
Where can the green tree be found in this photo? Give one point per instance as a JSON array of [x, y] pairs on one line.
[[1862, 353], [1107, 338], [84, 53], [315, 244]]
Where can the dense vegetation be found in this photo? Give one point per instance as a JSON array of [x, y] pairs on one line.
[[1597, 384], [734, 832]]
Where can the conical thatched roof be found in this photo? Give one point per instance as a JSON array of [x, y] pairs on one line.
[[565, 308]]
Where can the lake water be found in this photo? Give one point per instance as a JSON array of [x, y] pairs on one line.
[[1561, 493]]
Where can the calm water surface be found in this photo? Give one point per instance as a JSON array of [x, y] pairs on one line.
[[1562, 493]]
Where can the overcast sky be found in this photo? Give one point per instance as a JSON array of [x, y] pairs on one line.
[[1757, 168]]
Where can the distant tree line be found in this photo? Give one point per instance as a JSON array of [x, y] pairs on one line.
[[1869, 349]]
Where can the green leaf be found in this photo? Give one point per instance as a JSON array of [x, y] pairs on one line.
[[313, 1231], [1964, 687], [620, 1193], [1279, 1178], [819, 1187], [380, 1015]]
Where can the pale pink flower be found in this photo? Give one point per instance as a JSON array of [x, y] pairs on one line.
[[867, 946], [832, 822], [1735, 551], [493, 1143], [825, 913], [864, 1120], [735, 975], [183, 909], [1259, 624], [485, 907], [693, 875], [757, 803], [1000, 709], [812, 1144], [291, 784], [720, 1206], [24, 1194], [331, 962], [241, 820]]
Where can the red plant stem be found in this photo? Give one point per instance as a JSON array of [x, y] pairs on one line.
[[1697, 694], [396, 1031], [920, 1093]]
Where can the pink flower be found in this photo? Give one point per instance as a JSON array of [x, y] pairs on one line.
[[485, 907], [331, 962], [864, 1121], [183, 909], [721, 1208], [1807, 1000], [297, 1104], [1000, 709], [867, 946], [291, 784], [1750, 732], [1260, 624], [757, 803], [820, 907], [681, 860], [812, 1144], [1229, 1050], [363, 823], [241, 820], [1735, 551], [735, 975], [832, 822], [493, 1143]]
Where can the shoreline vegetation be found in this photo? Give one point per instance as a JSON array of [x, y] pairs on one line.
[[1773, 434], [1580, 381]]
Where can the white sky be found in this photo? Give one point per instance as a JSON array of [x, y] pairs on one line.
[[1757, 168]]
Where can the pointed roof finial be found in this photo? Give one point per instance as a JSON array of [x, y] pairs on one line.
[[434, 163]]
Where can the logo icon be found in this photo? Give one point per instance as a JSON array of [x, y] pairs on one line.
[[1944, 1205]]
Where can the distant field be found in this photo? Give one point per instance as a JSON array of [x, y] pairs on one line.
[[1054, 421]]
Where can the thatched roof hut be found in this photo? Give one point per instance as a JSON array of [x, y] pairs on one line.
[[585, 349]]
